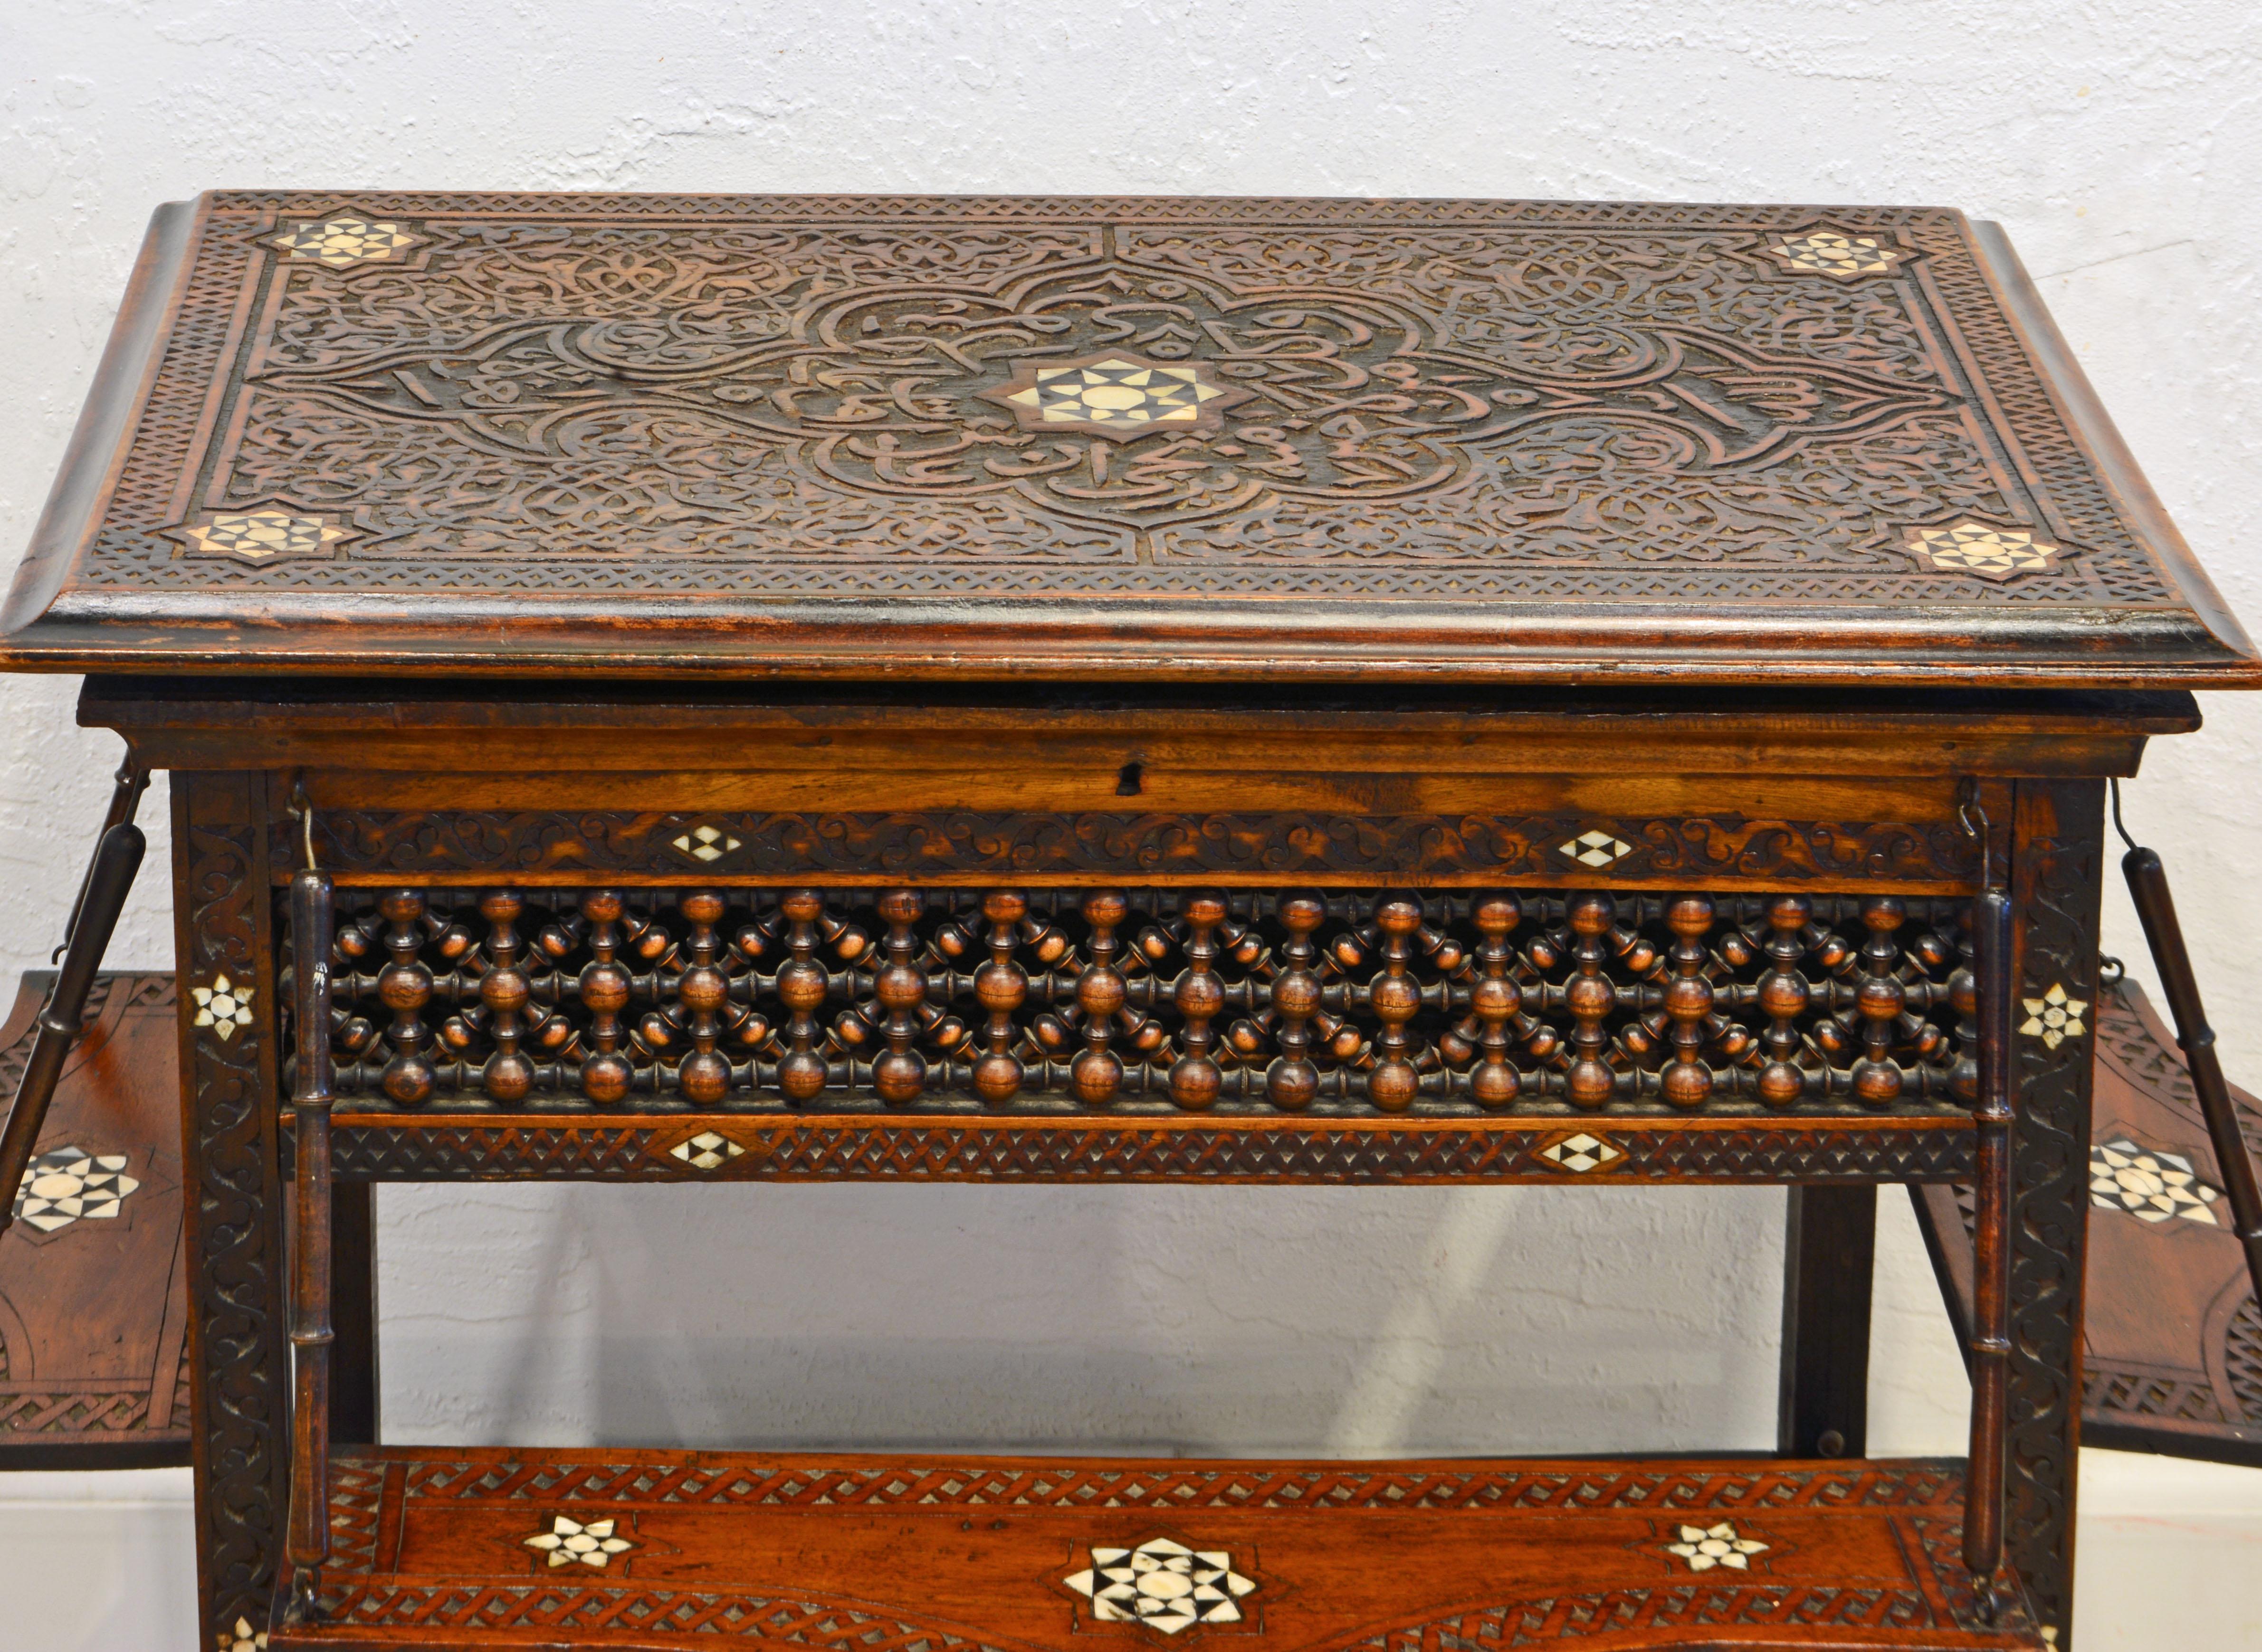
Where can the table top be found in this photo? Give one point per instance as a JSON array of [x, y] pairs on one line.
[[1221, 440]]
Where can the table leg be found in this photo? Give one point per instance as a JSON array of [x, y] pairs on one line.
[[353, 1311], [2057, 860], [1829, 1248], [240, 1360]]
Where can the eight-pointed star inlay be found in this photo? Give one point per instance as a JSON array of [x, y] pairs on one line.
[[1991, 552], [346, 240], [267, 534], [1116, 395], [1163, 1584]]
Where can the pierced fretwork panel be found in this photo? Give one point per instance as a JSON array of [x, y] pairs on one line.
[[1328, 1001]]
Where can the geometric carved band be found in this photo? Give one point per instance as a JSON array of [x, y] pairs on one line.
[[1159, 847], [434, 1148], [1349, 1002]]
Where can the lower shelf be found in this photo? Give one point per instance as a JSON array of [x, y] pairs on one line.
[[620, 1548]]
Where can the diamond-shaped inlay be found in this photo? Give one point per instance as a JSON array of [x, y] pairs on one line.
[[706, 843], [1992, 553], [2149, 1183], [70, 1184], [706, 1151], [1163, 1585], [2054, 1017], [224, 1006], [1595, 849], [1706, 1547], [346, 240], [1829, 252], [568, 1540], [262, 536], [1579, 1154]]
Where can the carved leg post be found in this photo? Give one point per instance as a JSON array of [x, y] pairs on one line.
[[1991, 1342], [2058, 863], [311, 927], [240, 1361], [1829, 1252]]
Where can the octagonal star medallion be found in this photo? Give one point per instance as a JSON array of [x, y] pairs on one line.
[[343, 241], [268, 532], [1115, 394], [68, 1184], [1830, 252], [1163, 1585], [1981, 548]]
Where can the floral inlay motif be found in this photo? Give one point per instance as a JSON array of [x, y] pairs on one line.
[[1163, 1585], [2054, 1017], [224, 1006], [260, 536], [2149, 1183], [1992, 553], [1706, 1547], [242, 1638], [344, 241], [568, 1540], [1829, 252], [68, 1184]]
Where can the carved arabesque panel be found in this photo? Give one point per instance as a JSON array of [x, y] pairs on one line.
[[1429, 401]]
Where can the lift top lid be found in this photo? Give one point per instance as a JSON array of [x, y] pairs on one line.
[[881, 437]]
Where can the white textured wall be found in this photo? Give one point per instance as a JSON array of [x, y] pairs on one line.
[[2121, 143]]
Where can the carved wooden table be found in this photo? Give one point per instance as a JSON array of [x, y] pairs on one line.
[[728, 689]]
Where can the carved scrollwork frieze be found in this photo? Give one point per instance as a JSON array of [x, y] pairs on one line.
[[1157, 846]]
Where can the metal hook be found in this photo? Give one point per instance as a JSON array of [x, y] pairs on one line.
[[301, 809], [2117, 824], [1971, 815]]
